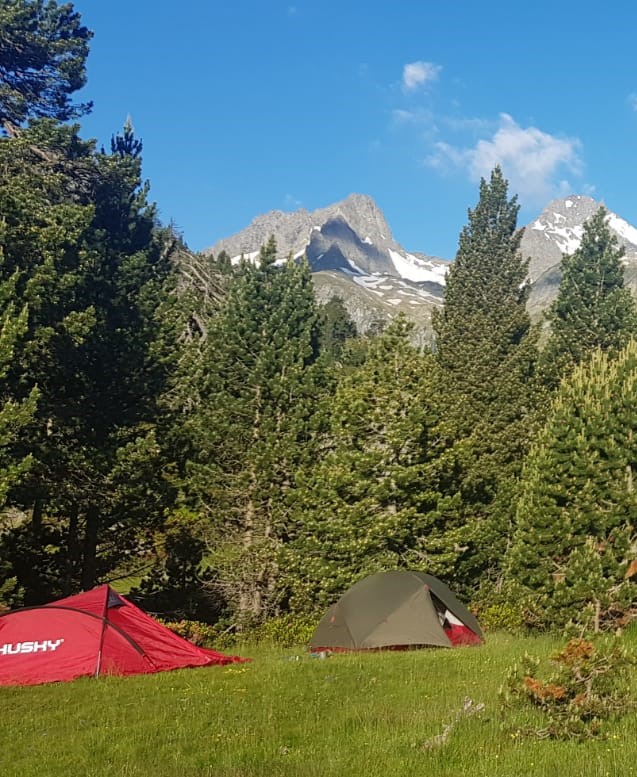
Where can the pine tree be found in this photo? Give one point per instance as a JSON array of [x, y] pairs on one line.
[[92, 269], [14, 415], [486, 350], [337, 327], [176, 583], [593, 308], [374, 499], [42, 61], [576, 517], [253, 426]]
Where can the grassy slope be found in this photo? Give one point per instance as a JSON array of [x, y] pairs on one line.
[[293, 715]]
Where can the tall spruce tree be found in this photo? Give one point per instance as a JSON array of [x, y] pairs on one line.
[[175, 582], [252, 427], [576, 520], [593, 308], [381, 495], [486, 350]]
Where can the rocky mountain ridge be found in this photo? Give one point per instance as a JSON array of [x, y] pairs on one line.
[[353, 254]]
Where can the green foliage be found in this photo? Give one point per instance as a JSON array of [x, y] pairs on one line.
[[593, 309], [81, 247], [197, 632], [574, 535], [486, 350], [14, 413], [497, 608], [289, 630], [589, 684], [503, 616], [256, 385], [282, 631], [483, 324], [33, 564], [381, 494], [177, 583], [42, 60], [336, 327]]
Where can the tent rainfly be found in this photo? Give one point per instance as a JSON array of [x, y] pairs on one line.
[[93, 633], [398, 609]]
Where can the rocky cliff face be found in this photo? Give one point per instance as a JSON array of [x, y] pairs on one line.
[[353, 254]]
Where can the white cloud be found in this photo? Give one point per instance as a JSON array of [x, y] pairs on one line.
[[632, 100], [532, 160], [417, 74]]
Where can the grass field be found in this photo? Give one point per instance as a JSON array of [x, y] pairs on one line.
[[288, 714]]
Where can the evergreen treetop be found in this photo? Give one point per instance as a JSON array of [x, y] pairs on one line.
[[593, 309], [42, 61], [484, 320]]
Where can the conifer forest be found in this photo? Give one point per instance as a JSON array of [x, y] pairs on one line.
[[209, 436]]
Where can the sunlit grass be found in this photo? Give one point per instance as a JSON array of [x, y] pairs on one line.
[[289, 714]]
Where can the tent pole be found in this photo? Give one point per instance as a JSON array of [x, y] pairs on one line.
[[99, 652]]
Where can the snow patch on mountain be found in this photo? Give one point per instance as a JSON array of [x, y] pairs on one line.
[[622, 228], [413, 269], [568, 239], [251, 256]]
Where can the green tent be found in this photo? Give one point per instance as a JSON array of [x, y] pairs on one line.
[[396, 609]]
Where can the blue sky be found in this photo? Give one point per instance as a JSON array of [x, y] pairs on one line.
[[257, 105]]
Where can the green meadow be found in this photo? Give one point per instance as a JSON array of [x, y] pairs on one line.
[[287, 714]]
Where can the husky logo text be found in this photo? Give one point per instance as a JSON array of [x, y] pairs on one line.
[[18, 648]]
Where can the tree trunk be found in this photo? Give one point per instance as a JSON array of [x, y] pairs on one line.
[[36, 515], [73, 551], [89, 567]]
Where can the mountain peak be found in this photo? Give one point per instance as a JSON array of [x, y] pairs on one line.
[[349, 245], [352, 253], [293, 229]]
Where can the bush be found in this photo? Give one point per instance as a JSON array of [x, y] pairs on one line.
[[498, 608], [589, 685], [202, 634], [285, 630], [502, 616]]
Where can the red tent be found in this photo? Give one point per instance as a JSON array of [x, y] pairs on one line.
[[92, 633]]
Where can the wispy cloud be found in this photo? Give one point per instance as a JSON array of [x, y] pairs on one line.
[[533, 161], [292, 202], [632, 100], [419, 116], [419, 74]]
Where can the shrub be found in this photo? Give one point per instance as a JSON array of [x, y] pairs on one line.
[[287, 630], [498, 616], [202, 634], [498, 608], [590, 683]]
